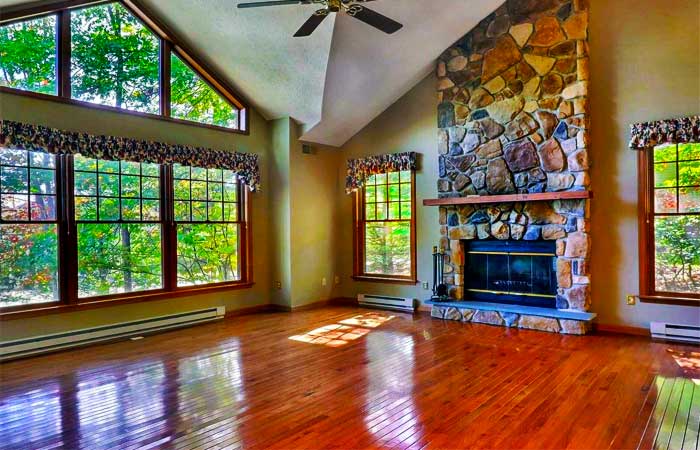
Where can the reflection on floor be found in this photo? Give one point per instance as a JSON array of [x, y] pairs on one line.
[[376, 380], [338, 334]]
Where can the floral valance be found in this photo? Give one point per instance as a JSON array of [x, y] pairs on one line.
[[40, 138], [361, 169], [672, 131]]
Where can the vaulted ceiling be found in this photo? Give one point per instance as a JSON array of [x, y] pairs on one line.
[[334, 82]]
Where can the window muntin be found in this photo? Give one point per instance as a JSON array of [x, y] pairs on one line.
[[207, 211], [193, 99], [117, 211], [114, 59], [28, 228], [28, 55], [676, 219], [386, 226]]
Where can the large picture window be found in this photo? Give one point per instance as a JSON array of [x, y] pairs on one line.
[[113, 55], [385, 228], [117, 211], [77, 230], [208, 217], [28, 228], [671, 224]]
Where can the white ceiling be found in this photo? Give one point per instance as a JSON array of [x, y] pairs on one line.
[[334, 82]]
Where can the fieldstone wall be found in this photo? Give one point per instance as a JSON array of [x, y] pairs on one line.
[[513, 118]]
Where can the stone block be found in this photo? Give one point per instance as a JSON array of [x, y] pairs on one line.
[[467, 314], [541, 213], [517, 231], [500, 231], [576, 26], [564, 273], [520, 155], [483, 230], [553, 232], [453, 314], [576, 327], [504, 55], [499, 179], [578, 89], [490, 150], [579, 297], [521, 33], [505, 110], [560, 247], [578, 161], [523, 125], [541, 64], [559, 181], [457, 252], [510, 319], [539, 323], [438, 312], [489, 317], [547, 33], [551, 156], [577, 245], [443, 142], [532, 233], [458, 63]]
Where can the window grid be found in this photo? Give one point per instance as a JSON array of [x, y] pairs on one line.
[[121, 172], [676, 186], [28, 194], [385, 182], [209, 178]]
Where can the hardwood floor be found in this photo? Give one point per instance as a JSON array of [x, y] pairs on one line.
[[321, 379]]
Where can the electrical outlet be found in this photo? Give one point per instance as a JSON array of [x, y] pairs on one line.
[[324, 281], [631, 299], [337, 279], [278, 285], [426, 286]]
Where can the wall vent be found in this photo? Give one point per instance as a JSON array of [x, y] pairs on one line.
[[60, 341], [675, 332], [386, 302]]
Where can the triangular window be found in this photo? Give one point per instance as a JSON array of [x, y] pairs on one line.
[[194, 99]]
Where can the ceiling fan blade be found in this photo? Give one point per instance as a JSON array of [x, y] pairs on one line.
[[312, 23], [373, 18], [271, 3]]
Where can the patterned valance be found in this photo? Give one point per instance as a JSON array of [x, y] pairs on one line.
[[51, 140], [361, 169], [672, 131]]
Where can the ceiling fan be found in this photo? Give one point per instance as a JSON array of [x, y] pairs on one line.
[[351, 7]]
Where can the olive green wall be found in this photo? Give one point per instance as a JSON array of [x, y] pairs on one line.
[[313, 219], [408, 125], [645, 65], [69, 117]]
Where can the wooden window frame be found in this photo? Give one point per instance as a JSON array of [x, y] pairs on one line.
[[359, 222], [169, 43], [67, 271], [646, 215]]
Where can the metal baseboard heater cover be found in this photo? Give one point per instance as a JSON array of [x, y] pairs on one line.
[[675, 332], [60, 341], [386, 302]]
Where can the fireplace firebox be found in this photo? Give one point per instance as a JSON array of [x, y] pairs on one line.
[[515, 272]]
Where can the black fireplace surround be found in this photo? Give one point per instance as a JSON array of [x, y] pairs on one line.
[[513, 272]]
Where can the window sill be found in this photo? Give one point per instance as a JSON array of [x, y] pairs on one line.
[[388, 280], [88, 105], [670, 300], [125, 299]]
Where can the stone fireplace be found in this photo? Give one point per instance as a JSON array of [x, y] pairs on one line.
[[513, 121]]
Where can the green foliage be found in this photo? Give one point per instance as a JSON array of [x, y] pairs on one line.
[[388, 248], [677, 237], [678, 254], [115, 258], [28, 264], [193, 99], [114, 59], [28, 55], [207, 253]]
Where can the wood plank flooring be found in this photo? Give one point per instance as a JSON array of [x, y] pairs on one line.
[[345, 378]]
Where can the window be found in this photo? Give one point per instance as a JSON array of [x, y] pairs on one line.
[[129, 230], [117, 211], [111, 54], [28, 228], [28, 55], [385, 228], [114, 59], [208, 217], [193, 99], [671, 222]]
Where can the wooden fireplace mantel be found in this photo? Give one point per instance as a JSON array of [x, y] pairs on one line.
[[508, 198]]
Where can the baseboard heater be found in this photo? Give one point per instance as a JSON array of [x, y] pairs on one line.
[[60, 341], [675, 332], [385, 302]]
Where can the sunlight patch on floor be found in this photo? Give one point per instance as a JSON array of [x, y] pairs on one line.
[[343, 332]]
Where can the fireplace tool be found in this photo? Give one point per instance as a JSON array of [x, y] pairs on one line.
[[439, 287]]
